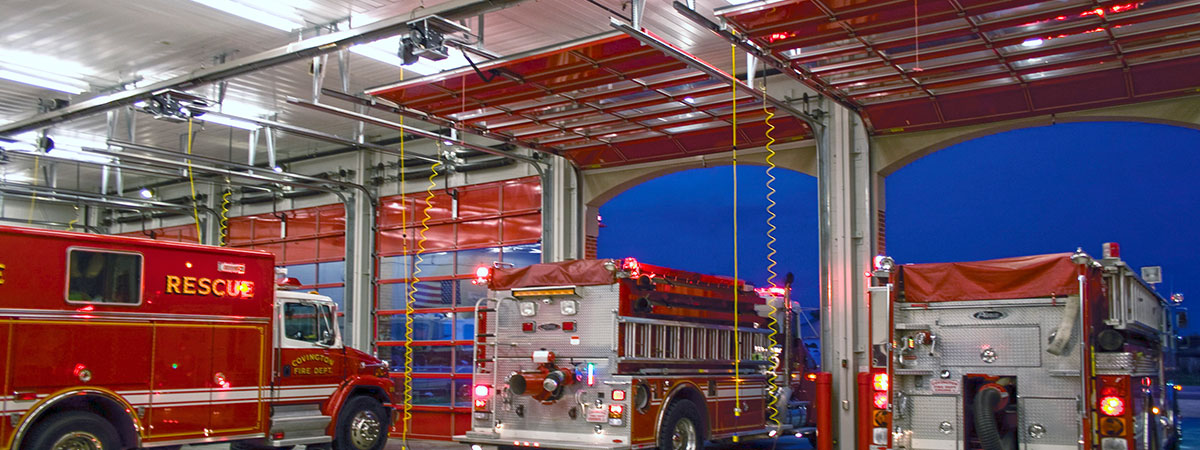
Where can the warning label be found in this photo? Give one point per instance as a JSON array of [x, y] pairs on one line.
[[945, 386]]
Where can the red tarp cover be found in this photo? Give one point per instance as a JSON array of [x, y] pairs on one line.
[[582, 272], [1008, 278]]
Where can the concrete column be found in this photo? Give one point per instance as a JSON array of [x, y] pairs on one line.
[[360, 257], [845, 180], [562, 230]]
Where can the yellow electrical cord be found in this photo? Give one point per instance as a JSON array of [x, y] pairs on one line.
[[409, 300], [225, 216], [772, 324], [737, 345], [192, 183], [33, 200], [75, 218]]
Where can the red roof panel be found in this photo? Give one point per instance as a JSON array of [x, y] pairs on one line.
[[979, 60], [601, 102]]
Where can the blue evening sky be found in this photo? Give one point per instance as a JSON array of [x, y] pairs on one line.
[[1029, 191]]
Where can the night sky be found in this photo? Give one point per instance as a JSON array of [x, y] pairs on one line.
[[1029, 191]]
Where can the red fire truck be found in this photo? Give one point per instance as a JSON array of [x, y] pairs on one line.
[[615, 354], [112, 342], [1046, 352]]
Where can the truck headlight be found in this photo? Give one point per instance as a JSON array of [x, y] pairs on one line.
[[568, 307], [528, 309], [1114, 444]]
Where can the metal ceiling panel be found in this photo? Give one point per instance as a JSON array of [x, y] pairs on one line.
[[956, 62], [602, 101]]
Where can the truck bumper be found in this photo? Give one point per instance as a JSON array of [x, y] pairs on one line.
[[490, 439]]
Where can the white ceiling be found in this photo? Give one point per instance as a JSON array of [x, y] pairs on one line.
[[119, 41]]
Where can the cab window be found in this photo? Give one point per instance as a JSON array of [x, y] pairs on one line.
[[309, 322], [104, 277]]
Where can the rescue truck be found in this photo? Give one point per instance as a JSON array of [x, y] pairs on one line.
[[614, 354], [1045, 352], [112, 342]]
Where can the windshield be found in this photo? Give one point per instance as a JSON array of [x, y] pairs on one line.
[[309, 322]]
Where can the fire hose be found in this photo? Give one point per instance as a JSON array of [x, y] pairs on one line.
[[987, 400]]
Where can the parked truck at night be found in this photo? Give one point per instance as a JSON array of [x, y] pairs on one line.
[[1045, 352], [616, 354]]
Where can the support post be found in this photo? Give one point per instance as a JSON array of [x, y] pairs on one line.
[[561, 212], [844, 184], [360, 255]]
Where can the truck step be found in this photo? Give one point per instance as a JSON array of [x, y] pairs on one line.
[[299, 423]]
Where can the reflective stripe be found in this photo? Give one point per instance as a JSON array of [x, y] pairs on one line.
[[199, 396]]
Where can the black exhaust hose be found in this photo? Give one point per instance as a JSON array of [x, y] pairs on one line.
[[985, 419]]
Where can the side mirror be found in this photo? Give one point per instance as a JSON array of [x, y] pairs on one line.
[[327, 337]]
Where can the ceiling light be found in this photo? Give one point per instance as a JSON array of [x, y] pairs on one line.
[[1035, 42], [278, 169], [236, 108], [260, 12], [44, 71], [385, 50], [738, 2], [689, 100], [146, 193], [15, 177], [74, 89], [236, 123]]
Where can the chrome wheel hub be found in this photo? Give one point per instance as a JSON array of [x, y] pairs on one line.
[[364, 430], [78, 440], [683, 437]]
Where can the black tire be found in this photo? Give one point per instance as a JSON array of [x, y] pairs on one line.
[[682, 427], [76, 428], [362, 425]]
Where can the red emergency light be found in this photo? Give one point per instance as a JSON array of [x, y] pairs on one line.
[[1112, 250], [1112, 406], [483, 274], [631, 265]]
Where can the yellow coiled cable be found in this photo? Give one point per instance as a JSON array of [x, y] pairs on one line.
[[772, 324], [225, 216]]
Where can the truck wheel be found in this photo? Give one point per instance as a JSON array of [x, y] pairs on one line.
[[75, 430], [362, 425], [682, 427]]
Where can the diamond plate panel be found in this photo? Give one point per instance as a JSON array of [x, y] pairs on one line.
[[925, 414], [1008, 346], [1059, 416], [514, 347]]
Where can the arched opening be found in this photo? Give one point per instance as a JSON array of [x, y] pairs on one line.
[[684, 220], [1051, 189]]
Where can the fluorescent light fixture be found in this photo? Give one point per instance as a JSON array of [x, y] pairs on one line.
[[264, 12], [44, 71], [16, 177], [146, 193], [31, 80], [237, 108], [384, 50], [213, 118], [65, 146], [1030, 43]]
